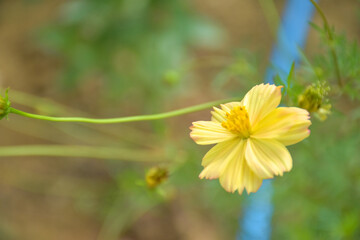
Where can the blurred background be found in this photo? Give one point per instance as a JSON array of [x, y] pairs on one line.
[[123, 57]]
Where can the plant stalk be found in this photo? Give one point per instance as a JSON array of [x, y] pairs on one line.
[[123, 119]]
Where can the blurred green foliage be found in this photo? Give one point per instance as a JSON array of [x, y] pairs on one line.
[[239, 72], [348, 53], [319, 198], [138, 49]]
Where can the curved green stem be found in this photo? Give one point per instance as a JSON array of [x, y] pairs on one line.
[[331, 39], [123, 119], [81, 151], [326, 24]]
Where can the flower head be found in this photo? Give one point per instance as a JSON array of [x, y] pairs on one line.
[[314, 99], [250, 138]]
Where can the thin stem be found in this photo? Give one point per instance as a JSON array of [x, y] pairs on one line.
[[327, 27], [124, 119], [81, 151], [46, 105], [331, 39], [337, 69]]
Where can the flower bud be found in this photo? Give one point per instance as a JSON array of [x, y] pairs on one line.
[[314, 99], [155, 176], [4, 105]]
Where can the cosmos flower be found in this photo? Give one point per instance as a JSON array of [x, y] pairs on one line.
[[250, 138]]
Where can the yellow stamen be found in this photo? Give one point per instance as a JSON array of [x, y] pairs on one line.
[[237, 121]]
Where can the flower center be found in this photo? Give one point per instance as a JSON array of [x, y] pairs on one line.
[[237, 121]]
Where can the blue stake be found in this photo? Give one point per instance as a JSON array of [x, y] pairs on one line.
[[256, 221]]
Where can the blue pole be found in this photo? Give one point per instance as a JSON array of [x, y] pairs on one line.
[[256, 221]]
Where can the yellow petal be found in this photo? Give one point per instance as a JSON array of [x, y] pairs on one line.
[[267, 157], [261, 100], [218, 115], [209, 132], [288, 125], [227, 107], [217, 158], [236, 175], [251, 182]]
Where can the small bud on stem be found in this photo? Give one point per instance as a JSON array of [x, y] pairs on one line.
[[155, 176], [4, 105], [314, 99]]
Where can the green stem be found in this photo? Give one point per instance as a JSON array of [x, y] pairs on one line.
[[45, 105], [81, 151], [124, 119], [331, 39]]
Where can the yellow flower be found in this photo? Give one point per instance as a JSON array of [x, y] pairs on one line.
[[250, 138]]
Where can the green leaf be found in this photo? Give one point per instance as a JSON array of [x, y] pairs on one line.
[[291, 75], [278, 81], [317, 28]]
